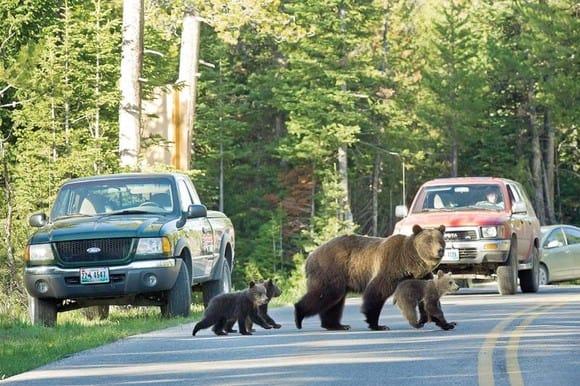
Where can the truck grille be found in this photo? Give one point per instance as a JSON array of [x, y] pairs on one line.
[[467, 253], [93, 250], [460, 235]]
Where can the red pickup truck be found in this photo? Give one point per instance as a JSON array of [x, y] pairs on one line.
[[491, 229]]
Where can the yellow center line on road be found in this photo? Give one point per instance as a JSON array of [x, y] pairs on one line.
[[485, 357], [512, 362]]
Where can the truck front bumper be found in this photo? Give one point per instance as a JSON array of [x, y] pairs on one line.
[[476, 252], [134, 278]]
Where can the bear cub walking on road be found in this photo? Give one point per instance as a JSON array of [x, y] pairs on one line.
[[424, 295], [272, 291], [224, 309]]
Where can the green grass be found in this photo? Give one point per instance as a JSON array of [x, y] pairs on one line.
[[24, 347]]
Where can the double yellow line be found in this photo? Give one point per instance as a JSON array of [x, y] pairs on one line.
[[485, 357]]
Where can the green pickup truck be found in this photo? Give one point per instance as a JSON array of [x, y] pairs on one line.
[[126, 239]]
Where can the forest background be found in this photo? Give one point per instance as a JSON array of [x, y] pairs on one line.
[[319, 117]]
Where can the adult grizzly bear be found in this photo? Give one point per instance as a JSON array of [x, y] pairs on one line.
[[372, 266]]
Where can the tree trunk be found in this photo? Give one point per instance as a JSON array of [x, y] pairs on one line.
[[346, 214], [454, 160], [536, 157], [549, 169], [188, 71], [131, 65], [376, 188]]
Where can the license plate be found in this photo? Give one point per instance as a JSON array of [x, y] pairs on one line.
[[451, 254], [94, 275]]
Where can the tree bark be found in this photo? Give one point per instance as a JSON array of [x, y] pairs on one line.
[[131, 66], [376, 188], [536, 157], [346, 214], [549, 169], [188, 72]]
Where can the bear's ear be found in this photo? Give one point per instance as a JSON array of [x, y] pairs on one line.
[[441, 228], [417, 229], [252, 284], [440, 273]]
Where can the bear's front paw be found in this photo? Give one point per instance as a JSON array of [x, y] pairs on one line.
[[379, 328], [449, 326], [418, 325], [276, 325], [336, 327]]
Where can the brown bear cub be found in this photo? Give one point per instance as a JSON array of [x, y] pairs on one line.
[[272, 291], [372, 266], [226, 308], [424, 295]]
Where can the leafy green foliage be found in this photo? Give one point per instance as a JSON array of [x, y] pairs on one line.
[[411, 90]]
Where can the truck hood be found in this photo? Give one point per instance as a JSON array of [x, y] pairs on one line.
[[451, 219], [106, 226]]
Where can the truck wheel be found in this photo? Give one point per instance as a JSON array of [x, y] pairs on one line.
[[219, 286], [42, 312], [178, 299], [507, 275], [96, 312], [530, 278]]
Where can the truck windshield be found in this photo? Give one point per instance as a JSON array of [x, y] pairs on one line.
[[114, 196], [459, 197]]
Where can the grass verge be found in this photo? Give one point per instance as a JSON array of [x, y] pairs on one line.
[[25, 347]]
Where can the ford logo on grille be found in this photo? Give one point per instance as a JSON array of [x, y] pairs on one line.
[[94, 250]]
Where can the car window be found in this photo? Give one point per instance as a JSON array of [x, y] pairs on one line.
[[460, 197], [186, 199], [572, 235], [109, 196], [514, 194], [555, 239]]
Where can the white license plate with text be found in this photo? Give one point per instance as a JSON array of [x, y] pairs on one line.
[[451, 254], [94, 275]]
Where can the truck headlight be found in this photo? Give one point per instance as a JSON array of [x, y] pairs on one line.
[[38, 252], [490, 232], [154, 246]]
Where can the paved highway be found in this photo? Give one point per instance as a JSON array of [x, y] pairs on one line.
[[524, 339]]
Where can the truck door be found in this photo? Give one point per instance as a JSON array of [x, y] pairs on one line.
[[200, 235], [522, 223]]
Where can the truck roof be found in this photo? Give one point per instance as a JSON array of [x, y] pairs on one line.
[[121, 176], [467, 180]]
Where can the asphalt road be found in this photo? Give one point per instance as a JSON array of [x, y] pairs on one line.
[[524, 339]]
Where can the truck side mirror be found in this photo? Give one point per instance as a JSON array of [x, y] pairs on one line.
[[38, 220], [196, 211], [401, 211], [519, 207]]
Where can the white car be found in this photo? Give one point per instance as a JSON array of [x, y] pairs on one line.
[[561, 253]]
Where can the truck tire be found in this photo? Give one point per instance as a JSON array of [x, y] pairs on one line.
[[178, 299], [507, 275], [42, 312], [219, 286], [530, 278], [100, 312]]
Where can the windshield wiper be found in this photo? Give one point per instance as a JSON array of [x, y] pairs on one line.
[[129, 211]]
